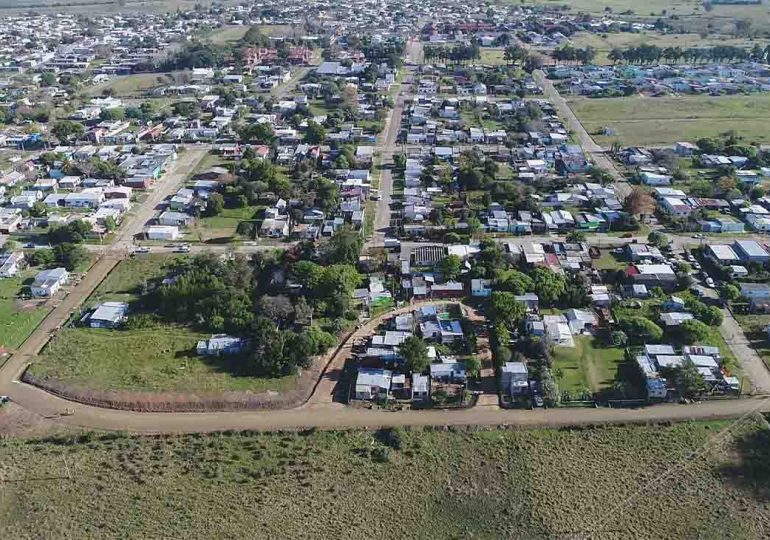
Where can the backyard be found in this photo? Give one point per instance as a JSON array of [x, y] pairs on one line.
[[588, 366], [639, 120], [665, 482]]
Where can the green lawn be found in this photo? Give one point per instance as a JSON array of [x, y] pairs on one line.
[[645, 481], [587, 366], [649, 121], [227, 34], [157, 359], [18, 318], [492, 56], [225, 224]]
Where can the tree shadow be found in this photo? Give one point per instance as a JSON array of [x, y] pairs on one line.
[[749, 470]]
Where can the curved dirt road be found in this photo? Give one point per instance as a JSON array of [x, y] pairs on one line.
[[321, 412]]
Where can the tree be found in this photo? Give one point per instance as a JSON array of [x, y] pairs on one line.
[[72, 233], [618, 338], [576, 236], [549, 388], [48, 79], [41, 257], [506, 310], [345, 246], [70, 255], [276, 307], [731, 292], [473, 366], [694, 331], [639, 202], [515, 282], [641, 329], [686, 379], [315, 133], [39, 209], [260, 133], [214, 204], [450, 267], [67, 129], [414, 351], [549, 286], [657, 238]]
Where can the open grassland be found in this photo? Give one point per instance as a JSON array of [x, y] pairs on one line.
[[604, 43], [18, 318], [658, 121], [684, 481], [158, 359]]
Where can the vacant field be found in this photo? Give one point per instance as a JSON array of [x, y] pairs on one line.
[[604, 43], [159, 359], [587, 366], [225, 225], [126, 280], [666, 120], [132, 85], [492, 56], [755, 329], [661, 482], [18, 319]]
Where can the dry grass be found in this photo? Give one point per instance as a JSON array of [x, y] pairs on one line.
[[612, 482]]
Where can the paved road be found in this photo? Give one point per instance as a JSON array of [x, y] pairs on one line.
[[595, 152]]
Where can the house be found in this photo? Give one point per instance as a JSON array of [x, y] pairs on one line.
[[530, 300], [10, 264], [220, 345], [277, 227], [48, 282], [580, 320], [175, 219], [755, 291], [675, 318], [108, 315], [721, 254], [373, 383], [751, 251], [652, 275], [451, 372], [162, 232], [481, 288], [653, 179], [514, 378], [420, 387]]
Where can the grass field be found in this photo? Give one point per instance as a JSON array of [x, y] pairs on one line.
[[607, 482], [587, 366], [92, 7], [157, 359], [225, 224], [125, 281], [492, 56], [653, 121], [604, 43], [17, 321]]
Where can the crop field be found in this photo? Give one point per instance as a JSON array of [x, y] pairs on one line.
[[689, 480], [157, 359], [604, 43], [639, 120], [18, 318]]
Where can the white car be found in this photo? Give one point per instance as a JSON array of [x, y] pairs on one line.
[[143, 249], [710, 282]]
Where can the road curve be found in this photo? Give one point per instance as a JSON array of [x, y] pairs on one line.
[[321, 412]]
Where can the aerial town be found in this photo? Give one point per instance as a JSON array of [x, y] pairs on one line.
[[291, 215]]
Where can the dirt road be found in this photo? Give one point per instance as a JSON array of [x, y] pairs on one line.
[[595, 152]]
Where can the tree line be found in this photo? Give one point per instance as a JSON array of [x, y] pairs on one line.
[[652, 54]]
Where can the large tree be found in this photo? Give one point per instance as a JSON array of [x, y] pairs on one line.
[[414, 351]]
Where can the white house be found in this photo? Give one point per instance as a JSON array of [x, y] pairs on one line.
[[162, 232], [48, 282], [373, 383], [108, 315], [514, 378]]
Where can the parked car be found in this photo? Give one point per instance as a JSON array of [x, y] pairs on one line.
[[710, 282]]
